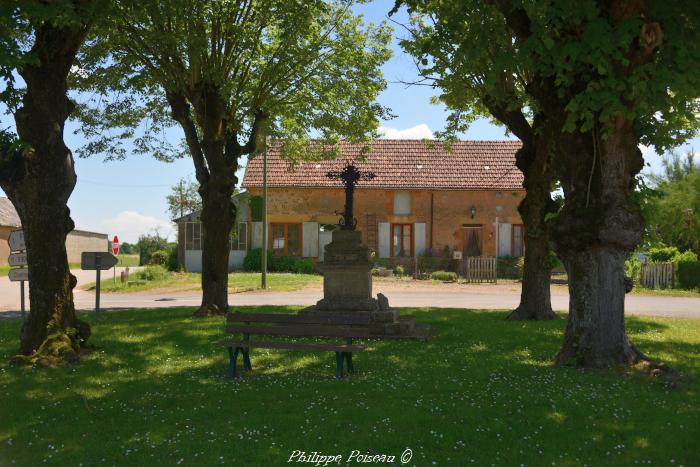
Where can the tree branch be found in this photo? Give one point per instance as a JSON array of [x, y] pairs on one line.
[[181, 114]]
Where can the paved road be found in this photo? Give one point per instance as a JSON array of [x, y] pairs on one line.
[[10, 291], [410, 294]]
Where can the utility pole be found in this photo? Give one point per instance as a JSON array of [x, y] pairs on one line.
[[263, 256]]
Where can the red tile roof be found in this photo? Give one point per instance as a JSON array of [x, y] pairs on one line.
[[402, 164]]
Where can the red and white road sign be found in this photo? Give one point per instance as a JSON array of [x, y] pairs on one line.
[[115, 245]]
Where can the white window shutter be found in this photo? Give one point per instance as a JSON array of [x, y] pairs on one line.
[[504, 233], [419, 239], [256, 237], [384, 239], [309, 236]]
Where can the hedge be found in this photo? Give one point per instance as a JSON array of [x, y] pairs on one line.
[[689, 274], [294, 264]]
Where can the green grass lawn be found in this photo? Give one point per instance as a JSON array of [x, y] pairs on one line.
[[238, 282], [481, 392], [128, 260]]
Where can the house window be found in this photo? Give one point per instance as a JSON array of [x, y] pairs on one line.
[[517, 239], [193, 236], [402, 203], [239, 239], [402, 240], [285, 239]]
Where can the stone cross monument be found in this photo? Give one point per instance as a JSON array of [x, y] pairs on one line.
[[350, 176], [347, 270]]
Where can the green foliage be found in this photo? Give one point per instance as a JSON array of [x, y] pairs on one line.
[[173, 263], [663, 254], [278, 68], [509, 267], [149, 244], [304, 266], [183, 199], [399, 271], [689, 274], [633, 268], [159, 257], [127, 249], [153, 273], [256, 208], [673, 214], [253, 260], [445, 276]]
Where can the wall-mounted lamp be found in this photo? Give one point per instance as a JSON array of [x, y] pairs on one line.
[[473, 211]]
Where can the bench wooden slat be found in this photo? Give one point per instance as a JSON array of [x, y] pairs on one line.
[[306, 330], [325, 318], [290, 345]]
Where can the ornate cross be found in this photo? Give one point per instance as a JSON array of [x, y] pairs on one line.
[[350, 176]]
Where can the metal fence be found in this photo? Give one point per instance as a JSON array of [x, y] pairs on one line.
[[653, 275], [478, 269]]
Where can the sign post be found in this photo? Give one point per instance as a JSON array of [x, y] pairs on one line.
[[97, 261], [115, 250], [18, 257]]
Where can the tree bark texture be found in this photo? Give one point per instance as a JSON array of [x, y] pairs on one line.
[[599, 225], [39, 179], [534, 160], [201, 112]]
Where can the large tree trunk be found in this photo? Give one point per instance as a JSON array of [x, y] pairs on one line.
[[39, 181], [598, 227], [534, 162], [218, 218]]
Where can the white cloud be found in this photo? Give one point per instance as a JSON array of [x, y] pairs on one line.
[[129, 225], [421, 131]]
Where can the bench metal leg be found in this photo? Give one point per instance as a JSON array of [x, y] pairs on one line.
[[232, 361], [246, 359], [339, 359], [348, 361]]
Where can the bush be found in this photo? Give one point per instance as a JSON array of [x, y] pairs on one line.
[[663, 254], [444, 276], [159, 257], [147, 245], [173, 263], [304, 266], [633, 268], [283, 264], [399, 271], [689, 274], [253, 260], [509, 267], [153, 273]]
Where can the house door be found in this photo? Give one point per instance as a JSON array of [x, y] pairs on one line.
[[471, 240]]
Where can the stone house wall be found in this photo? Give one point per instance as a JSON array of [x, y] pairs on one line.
[[442, 213]]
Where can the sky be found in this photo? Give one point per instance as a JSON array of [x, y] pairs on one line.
[[127, 198]]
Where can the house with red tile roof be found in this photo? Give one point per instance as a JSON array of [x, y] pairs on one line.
[[424, 199]]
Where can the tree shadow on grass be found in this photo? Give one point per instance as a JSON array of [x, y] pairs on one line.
[[157, 385]]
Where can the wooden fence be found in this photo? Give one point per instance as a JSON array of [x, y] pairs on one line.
[[654, 275], [478, 269]]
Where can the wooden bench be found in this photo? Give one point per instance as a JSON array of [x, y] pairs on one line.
[[331, 326]]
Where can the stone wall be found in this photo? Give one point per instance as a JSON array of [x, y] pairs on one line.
[[79, 241], [444, 213]]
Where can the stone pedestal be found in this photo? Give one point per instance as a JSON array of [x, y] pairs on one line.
[[347, 287], [347, 274]]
